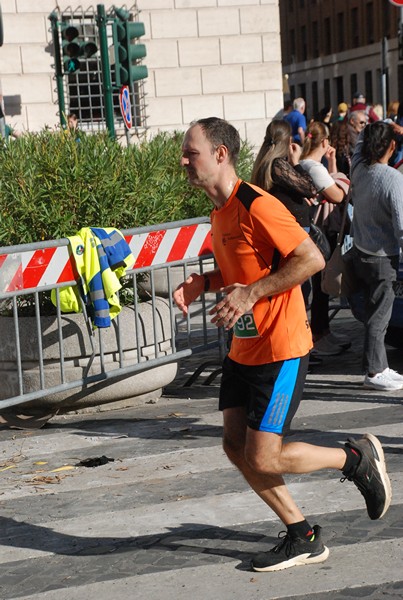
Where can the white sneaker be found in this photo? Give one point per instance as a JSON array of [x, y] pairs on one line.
[[383, 382], [394, 375], [325, 347]]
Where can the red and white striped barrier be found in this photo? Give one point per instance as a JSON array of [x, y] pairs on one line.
[[32, 269]]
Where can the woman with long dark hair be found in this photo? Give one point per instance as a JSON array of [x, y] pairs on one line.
[[277, 170], [378, 236]]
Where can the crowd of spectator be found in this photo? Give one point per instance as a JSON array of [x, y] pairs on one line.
[[361, 144]]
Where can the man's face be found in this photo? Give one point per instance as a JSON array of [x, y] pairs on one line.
[[199, 158], [358, 121]]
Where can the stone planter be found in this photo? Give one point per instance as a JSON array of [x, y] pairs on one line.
[[125, 390]]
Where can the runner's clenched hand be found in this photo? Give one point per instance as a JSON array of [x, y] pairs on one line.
[[236, 302]]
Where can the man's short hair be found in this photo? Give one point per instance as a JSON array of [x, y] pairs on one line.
[[298, 104], [358, 115], [221, 133]]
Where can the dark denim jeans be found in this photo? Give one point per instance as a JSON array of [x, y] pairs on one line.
[[376, 275]]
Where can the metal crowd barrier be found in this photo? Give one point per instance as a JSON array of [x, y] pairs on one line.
[[36, 355]]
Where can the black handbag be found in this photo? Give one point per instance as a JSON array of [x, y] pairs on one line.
[[320, 239]]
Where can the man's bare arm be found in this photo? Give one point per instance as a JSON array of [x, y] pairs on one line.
[[194, 286], [302, 263]]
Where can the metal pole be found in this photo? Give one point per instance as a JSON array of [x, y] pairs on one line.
[[58, 68], [106, 72], [384, 71]]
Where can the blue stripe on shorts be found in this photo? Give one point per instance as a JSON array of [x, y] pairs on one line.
[[276, 412]]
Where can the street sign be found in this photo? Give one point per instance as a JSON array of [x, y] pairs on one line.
[[125, 106], [396, 2]]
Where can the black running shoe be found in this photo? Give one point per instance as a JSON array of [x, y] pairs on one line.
[[370, 475], [292, 551]]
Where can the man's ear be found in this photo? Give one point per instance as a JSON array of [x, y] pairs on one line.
[[222, 153]]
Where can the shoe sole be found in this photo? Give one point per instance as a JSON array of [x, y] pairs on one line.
[[297, 561], [381, 464]]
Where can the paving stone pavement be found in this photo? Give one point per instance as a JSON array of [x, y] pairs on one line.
[[170, 519]]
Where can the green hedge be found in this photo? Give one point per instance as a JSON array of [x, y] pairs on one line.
[[52, 184]]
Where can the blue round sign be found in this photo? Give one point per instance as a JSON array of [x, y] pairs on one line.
[[125, 106]]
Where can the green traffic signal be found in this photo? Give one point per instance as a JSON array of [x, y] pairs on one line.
[[74, 46], [71, 65], [127, 51]]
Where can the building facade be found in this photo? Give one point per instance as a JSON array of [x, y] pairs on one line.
[[204, 58], [333, 48]]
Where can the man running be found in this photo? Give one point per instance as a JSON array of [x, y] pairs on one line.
[[263, 256]]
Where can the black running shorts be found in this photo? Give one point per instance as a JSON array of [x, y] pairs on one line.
[[270, 393]]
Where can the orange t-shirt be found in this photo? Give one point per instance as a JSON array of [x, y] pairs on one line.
[[244, 244]]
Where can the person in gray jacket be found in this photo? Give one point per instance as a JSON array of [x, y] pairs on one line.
[[377, 196]]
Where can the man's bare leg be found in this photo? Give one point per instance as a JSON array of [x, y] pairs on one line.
[[262, 459]]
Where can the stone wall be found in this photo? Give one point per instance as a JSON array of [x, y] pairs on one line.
[[205, 57]]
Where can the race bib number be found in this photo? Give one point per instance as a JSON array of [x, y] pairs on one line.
[[245, 327]]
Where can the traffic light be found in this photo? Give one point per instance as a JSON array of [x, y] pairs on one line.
[[127, 51], [74, 47]]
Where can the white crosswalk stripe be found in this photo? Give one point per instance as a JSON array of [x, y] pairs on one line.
[[171, 519]]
